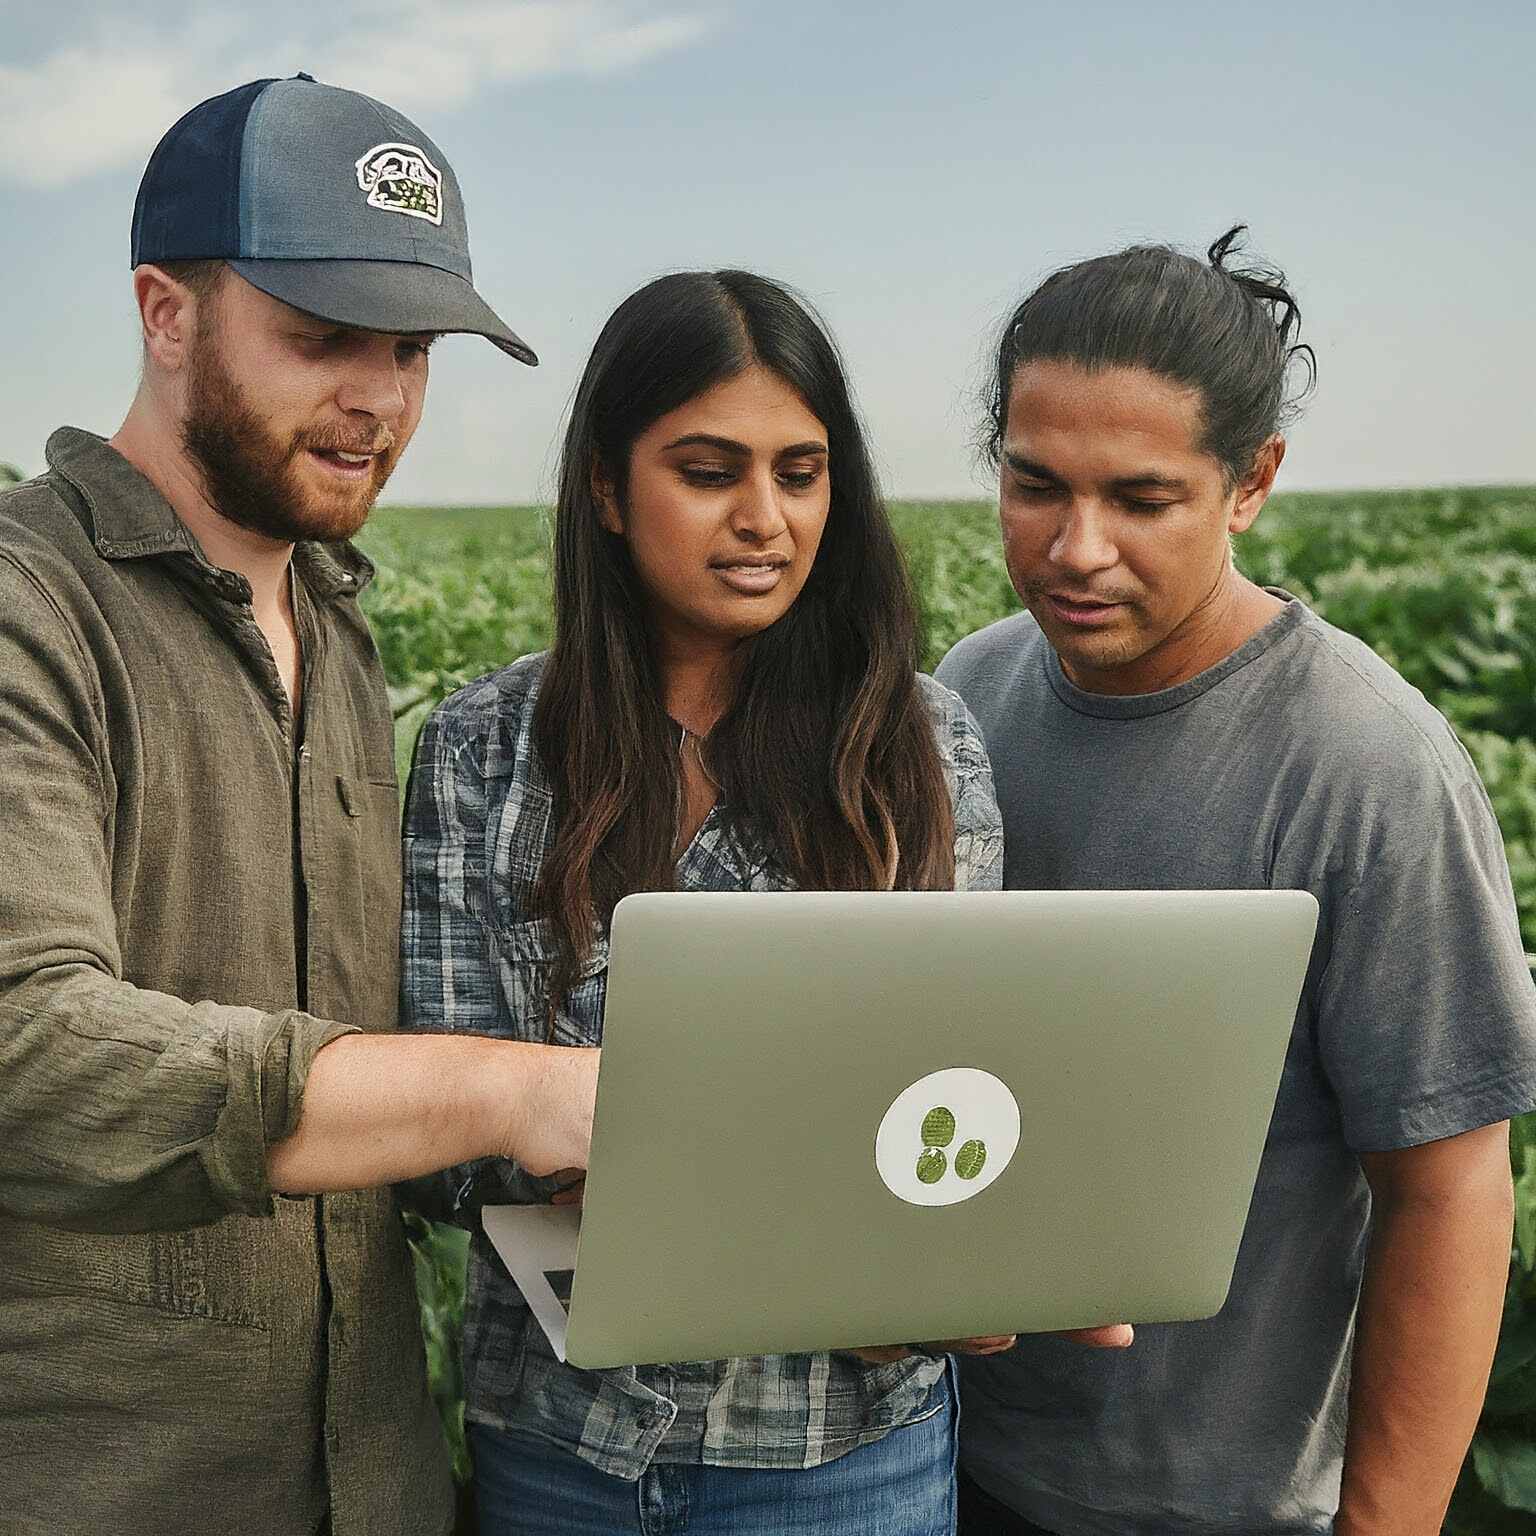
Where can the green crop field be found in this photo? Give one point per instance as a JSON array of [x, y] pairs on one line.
[[1441, 583]]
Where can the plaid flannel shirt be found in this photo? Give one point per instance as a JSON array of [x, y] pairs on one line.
[[478, 825]]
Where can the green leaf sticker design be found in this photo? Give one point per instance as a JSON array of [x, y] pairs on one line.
[[931, 1165], [938, 1129], [970, 1159]]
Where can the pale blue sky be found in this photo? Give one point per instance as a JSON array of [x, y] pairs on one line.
[[913, 168]]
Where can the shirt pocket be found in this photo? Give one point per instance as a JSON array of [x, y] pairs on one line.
[[354, 899], [525, 954]]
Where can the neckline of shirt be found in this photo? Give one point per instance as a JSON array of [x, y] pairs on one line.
[[130, 519], [1135, 706]]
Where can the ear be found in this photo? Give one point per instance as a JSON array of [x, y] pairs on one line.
[[608, 513], [168, 315], [1253, 490]]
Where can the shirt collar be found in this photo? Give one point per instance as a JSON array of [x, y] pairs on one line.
[[131, 520]]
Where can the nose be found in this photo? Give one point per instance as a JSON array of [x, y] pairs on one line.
[[1083, 542], [374, 385], [755, 510]]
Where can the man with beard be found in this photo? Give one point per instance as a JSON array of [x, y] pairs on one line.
[[206, 1310]]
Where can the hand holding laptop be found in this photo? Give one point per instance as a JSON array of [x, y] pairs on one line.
[[1110, 1336], [885, 1353]]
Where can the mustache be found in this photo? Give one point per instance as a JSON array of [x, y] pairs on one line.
[[337, 440], [1031, 589]]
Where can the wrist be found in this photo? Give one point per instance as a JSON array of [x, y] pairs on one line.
[[502, 1089], [536, 1104]]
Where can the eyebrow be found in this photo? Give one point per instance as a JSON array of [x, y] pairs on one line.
[[1148, 480], [741, 450], [308, 324]]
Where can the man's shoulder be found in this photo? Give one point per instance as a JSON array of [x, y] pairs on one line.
[[44, 550], [38, 528], [1362, 716], [990, 656]]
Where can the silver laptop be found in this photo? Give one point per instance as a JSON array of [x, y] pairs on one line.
[[829, 1120]]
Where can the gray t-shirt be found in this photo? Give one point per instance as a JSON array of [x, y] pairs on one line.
[[1301, 761]]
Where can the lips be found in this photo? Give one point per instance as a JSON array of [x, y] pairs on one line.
[[1083, 612], [751, 575], [346, 462]]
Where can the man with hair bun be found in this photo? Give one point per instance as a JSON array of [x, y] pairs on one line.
[[1155, 720]]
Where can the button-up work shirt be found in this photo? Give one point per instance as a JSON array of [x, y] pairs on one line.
[[478, 827], [196, 897]]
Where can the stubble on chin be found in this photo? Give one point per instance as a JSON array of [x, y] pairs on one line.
[[1090, 653]]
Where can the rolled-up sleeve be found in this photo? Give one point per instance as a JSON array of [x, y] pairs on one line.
[[448, 981], [121, 1109]]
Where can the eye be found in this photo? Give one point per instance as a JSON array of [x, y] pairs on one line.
[[411, 351], [801, 479], [706, 476], [1139, 504], [1033, 490]]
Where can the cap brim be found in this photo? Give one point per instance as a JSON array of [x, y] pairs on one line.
[[391, 296]]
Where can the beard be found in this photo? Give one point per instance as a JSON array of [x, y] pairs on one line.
[[253, 477]]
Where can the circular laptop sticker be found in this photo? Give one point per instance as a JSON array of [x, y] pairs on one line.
[[947, 1137]]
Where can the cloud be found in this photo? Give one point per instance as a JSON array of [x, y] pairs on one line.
[[103, 102], [429, 54]]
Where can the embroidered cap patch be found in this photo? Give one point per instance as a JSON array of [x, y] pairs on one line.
[[400, 178]]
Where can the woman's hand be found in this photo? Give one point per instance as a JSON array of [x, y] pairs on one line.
[[992, 1344], [1110, 1336]]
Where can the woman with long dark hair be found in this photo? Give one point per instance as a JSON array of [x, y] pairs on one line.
[[731, 703]]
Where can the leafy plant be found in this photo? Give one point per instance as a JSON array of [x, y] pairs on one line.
[[440, 1254], [1497, 1491], [1441, 583]]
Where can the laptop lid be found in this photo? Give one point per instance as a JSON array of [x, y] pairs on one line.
[[837, 1119]]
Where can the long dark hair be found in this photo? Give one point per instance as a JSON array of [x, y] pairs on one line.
[[825, 758], [1223, 328]]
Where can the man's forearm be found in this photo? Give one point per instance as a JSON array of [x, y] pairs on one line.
[[381, 1108], [1425, 1334]]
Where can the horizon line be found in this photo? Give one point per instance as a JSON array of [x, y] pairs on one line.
[[905, 499]]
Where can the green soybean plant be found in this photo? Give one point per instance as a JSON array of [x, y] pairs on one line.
[[1441, 583]]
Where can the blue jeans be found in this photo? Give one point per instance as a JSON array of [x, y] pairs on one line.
[[902, 1485]]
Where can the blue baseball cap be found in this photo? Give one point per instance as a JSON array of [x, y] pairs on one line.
[[323, 198]]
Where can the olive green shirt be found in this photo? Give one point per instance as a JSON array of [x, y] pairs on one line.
[[190, 890]]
